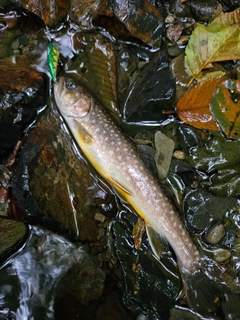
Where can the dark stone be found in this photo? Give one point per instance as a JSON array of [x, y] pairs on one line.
[[84, 281], [152, 92], [230, 4], [180, 10], [201, 209], [205, 10], [112, 308], [22, 95], [54, 185], [12, 236]]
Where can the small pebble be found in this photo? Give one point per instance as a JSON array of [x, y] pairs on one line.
[[99, 217], [221, 255], [183, 40], [179, 154], [215, 233], [169, 19]]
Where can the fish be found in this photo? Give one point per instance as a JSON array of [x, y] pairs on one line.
[[116, 159]]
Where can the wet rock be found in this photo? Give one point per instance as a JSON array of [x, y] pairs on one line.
[[82, 12], [230, 235], [201, 208], [150, 92], [230, 4], [205, 10], [180, 10], [12, 236], [174, 32], [221, 255], [112, 308], [143, 20], [53, 183], [179, 313], [22, 95], [175, 51], [230, 306], [84, 281], [215, 233], [51, 12]]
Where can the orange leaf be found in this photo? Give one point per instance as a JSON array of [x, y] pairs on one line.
[[194, 107]]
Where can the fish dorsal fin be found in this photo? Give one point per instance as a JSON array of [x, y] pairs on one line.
[[157, 242], [83, 134], [119, 187]]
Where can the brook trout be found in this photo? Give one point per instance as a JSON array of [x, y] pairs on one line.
[[116, 159]]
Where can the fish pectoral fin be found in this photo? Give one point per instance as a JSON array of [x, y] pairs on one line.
[[156, 242], [84, 135], [119, 187]]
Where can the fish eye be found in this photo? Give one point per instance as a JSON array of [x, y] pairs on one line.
[[70, 84]]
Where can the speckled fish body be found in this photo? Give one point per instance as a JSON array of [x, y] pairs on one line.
[[115, 158]]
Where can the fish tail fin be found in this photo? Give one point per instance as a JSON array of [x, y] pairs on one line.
[[202, 289]]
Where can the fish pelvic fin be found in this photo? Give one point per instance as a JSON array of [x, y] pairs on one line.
[[123, 191], [156, 242], [83, 134]]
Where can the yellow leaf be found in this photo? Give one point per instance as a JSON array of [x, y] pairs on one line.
[[218, 41]]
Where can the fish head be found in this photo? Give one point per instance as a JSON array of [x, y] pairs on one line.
[[72, 99]]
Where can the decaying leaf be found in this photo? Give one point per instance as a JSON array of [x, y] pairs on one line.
[[225, 107], [218, 41], [194, 107], [138, 232]]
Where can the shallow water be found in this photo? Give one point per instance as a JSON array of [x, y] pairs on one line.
[[28, 279]]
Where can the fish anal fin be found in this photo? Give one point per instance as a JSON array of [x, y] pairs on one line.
[[83, 134], [123, 191], [156, 242]]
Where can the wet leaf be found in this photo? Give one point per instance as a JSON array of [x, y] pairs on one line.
[[143, 275], [218, 41], [141, 18], [194, 107], [138, 232], [225, 107]]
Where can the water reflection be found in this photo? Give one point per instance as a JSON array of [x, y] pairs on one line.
[[28, 280]]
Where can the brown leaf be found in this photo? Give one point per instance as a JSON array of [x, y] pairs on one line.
[[194, 107]]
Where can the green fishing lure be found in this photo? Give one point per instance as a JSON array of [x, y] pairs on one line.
[[53, 51]]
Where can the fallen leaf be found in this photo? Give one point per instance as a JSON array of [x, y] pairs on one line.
[[194, 107], [138, 232], [225, 107], [218, 41]]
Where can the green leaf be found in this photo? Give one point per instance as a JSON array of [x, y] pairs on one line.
[[225, 107], [219, 41]]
